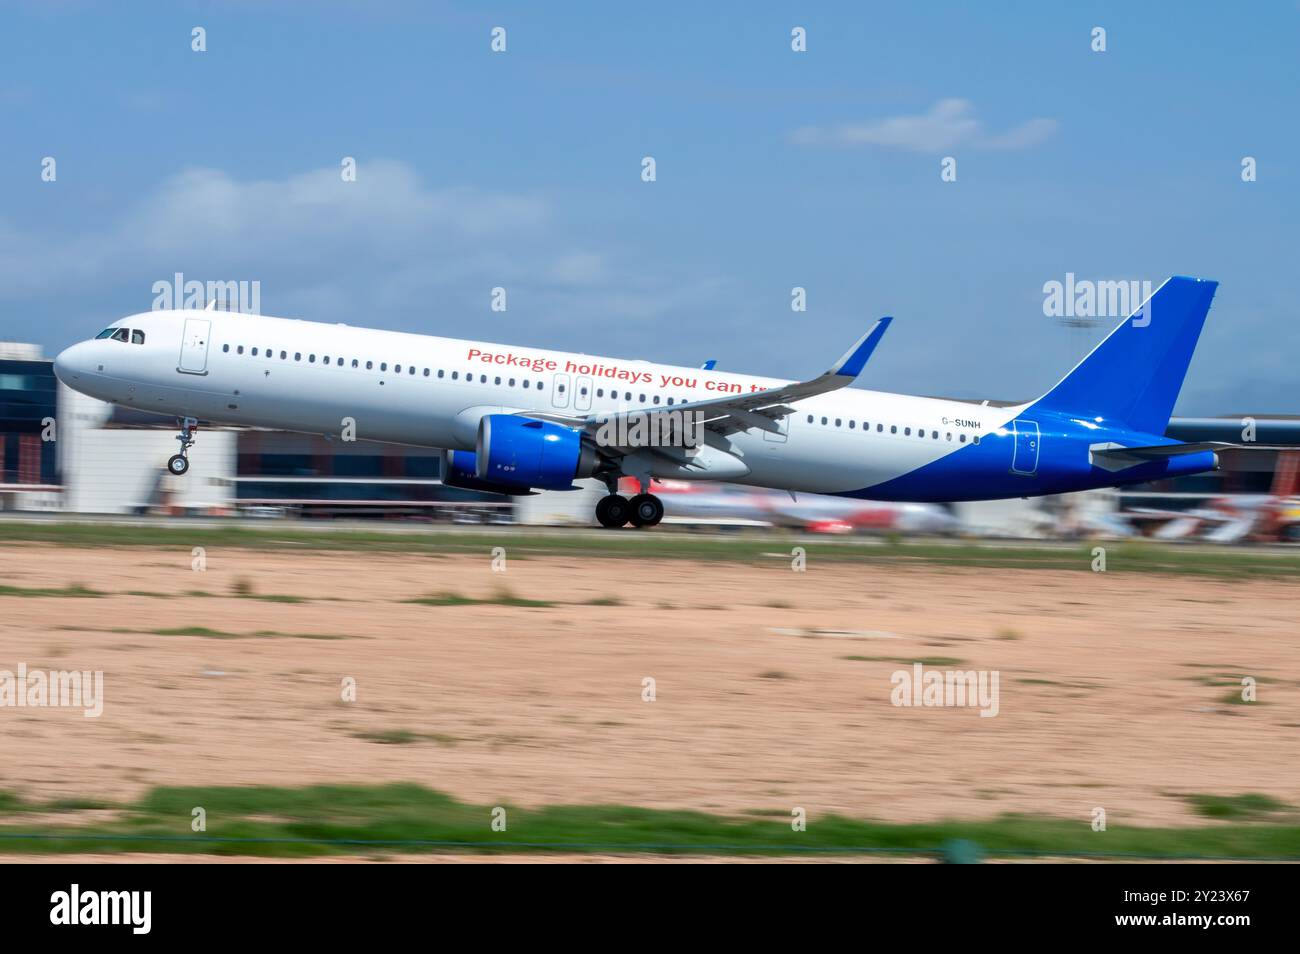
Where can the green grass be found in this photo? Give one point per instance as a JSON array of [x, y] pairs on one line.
[[762, 548], [76, 589], [405, 737], [500, 597], [203, 631], [207, 633], [342, 820], [443, 599], [1251, 806]]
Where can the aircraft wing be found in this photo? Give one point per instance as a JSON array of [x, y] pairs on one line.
[[757, 409]]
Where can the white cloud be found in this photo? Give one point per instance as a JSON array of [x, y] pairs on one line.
[[948, 123], [386, 249]]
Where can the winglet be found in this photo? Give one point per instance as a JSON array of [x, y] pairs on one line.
[[855, 359], [709, 365]]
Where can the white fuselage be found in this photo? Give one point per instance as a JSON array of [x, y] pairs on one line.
[[294, 375]]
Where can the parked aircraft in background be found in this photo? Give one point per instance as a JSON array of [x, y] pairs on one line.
[[699, 502]]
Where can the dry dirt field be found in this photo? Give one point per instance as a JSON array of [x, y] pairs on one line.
[[773, 687]]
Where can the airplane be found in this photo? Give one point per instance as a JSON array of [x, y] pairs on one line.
[[515, 420]]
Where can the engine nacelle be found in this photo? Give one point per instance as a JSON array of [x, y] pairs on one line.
[[526, 452], [460, 469]]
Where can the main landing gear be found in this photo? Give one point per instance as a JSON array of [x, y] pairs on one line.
[[179, 464], [643, 510]]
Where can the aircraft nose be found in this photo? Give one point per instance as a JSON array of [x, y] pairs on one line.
[[72, 363]]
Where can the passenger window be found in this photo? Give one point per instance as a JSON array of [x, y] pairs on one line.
[[838, 421], [482, 379], [963, 438], [137, 336], [225, 348], [426, 372], [907, 432], [369, 365], [823, 421], [411, 370], [254, 352], [893, 428], [975, 439], [397, 369], [284, 355], [810, 418], [383, 365], [497, 381], [852, 424], [512, 382], [440, 372], [297, 356]]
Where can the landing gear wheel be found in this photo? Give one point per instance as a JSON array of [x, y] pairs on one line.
[[178, 464], [647, 510], [613, 511]]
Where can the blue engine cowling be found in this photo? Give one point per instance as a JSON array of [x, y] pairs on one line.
[[526, 452], [460, 469]]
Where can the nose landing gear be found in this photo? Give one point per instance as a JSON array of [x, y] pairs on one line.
[[179, 464]]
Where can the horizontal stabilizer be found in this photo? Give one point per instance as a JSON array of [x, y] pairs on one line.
[[1110, 456]]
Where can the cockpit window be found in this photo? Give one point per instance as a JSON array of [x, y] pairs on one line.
[[106, 333], [121, 334], [137, 336]]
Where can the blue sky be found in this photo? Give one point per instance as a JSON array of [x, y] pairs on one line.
[[774, 169]]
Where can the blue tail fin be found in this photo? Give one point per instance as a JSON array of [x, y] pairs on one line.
[[1135, 374]]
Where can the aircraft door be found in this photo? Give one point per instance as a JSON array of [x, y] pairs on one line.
[[194, 346], [1024, 459]]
